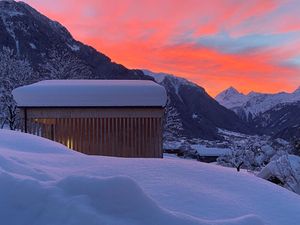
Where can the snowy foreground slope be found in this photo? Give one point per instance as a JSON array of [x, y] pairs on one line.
[[42, 182]]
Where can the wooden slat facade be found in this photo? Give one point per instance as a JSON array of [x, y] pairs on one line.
[[121, 132]]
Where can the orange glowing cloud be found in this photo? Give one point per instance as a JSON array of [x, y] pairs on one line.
[[251, 45]]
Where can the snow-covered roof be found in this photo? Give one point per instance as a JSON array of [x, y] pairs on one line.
[[89, 93]]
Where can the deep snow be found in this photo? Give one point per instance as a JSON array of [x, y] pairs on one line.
[[287, 169], [42, 182], [209, 151], [91, 93]]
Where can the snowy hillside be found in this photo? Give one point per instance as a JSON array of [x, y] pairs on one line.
[[42, 182], [255, 103]]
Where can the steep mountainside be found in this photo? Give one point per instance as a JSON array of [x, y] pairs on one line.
[[273, 114], [192, 112], [42, 41], [281, 121]]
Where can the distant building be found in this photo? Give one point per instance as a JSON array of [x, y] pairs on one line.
[[97, 117]]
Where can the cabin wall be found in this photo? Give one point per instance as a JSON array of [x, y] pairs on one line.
[[123, 132]]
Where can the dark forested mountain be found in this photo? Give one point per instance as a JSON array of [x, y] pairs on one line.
[[51, 49], [281, 121], [192, 112]]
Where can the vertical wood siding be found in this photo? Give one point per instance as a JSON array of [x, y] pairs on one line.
[[128, 136]]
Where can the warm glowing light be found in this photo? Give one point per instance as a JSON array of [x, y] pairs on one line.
[[70, 143]]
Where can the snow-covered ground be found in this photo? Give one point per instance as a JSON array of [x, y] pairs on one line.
[[286, 170], [205, 151], [42, 182]]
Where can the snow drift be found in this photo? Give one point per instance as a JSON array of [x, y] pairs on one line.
[[42, 182]]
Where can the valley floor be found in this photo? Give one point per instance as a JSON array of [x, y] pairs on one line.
[[42, 182]]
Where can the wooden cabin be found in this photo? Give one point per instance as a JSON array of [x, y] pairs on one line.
[[121, 118]]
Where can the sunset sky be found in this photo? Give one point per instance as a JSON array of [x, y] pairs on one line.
[[251, 45]]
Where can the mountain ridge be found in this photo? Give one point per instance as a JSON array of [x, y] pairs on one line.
[[194, 111], [271, 114], [255, 102]]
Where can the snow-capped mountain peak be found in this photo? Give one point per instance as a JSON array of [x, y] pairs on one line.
[[231, 90], [231, 98], [229, 93], [255, 103]]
